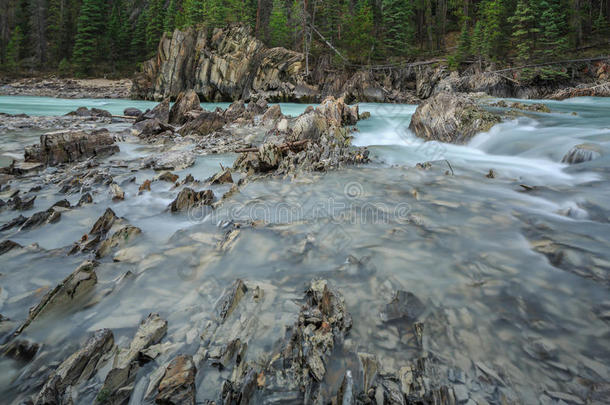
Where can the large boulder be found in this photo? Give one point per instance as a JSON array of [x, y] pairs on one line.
[[452, 118], [186, 101], [71, 146]]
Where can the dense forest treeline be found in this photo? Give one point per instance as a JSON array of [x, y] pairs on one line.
[[92, 37]]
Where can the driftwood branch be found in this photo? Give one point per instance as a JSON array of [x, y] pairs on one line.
[[125, 117], [293, 146]]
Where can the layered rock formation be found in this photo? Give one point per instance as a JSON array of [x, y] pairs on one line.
[[230, 64]]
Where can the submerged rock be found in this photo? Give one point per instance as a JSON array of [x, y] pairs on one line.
[[404, 305], [94, 112], [71, 289], [119, 239], [119, 381], [8, 245], [49, 216], [177, 386], [188, 198], [71, 146], [452, 118], [584, 152], [77, 368], [20, 350]]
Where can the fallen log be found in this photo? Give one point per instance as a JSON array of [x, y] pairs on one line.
[[126, 117], [297, 145]]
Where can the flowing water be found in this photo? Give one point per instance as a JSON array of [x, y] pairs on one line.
[[514, 279]]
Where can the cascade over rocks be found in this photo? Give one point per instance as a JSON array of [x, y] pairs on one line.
[[452, 118], [584, 152]]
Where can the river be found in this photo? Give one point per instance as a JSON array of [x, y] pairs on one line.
[[514, 271]]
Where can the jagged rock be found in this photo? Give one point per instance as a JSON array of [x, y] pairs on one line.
[[230, 299], [404, 305], [177, 386], [120, 238], [167, 176], [204, 123], [21, 204], [132, 112], [273, 113], [71, 146], [584, 152], [536, 107], [452, 118], [77, 368], [160, 112], [145, 186], [309, 126], [337, 112], [117, 192], [185, 102], [8, 245], [426, 80], [119, 381], [235, 110], [17, 221], [188, 198], [257, 108], [72, 288], [218, 64], [20, 350], [62, 204], [104, 223], [222, 177], [152, 128], [85, 199], [49, 216]]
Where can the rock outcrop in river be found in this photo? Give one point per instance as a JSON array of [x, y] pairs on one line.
[[452, 118]]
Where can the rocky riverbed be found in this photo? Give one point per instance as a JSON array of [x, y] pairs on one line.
[[67, 88], [189, 254]]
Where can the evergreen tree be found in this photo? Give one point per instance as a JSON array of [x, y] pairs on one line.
[[399, 33], [464, 46], [13, 49], [154, 29], [601, 28], [278, 24], [138, 38], [118, 34], [476, 45], [359, 39], [194, 12], [494, 29], [553, 23], [525, 30], [87, 46], [170, 17]]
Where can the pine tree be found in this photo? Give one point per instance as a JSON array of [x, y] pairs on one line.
[[154, 28], [464, 46], [553, 23], [118, 34], [359, 38], [170, 17], [138, 38], [278, 24], [525, 30], [13, 50], [215, 13], [58, 30], [87, 44], [194, 12], [476, 45], [494, 29], [399, 33], [601, 28]]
